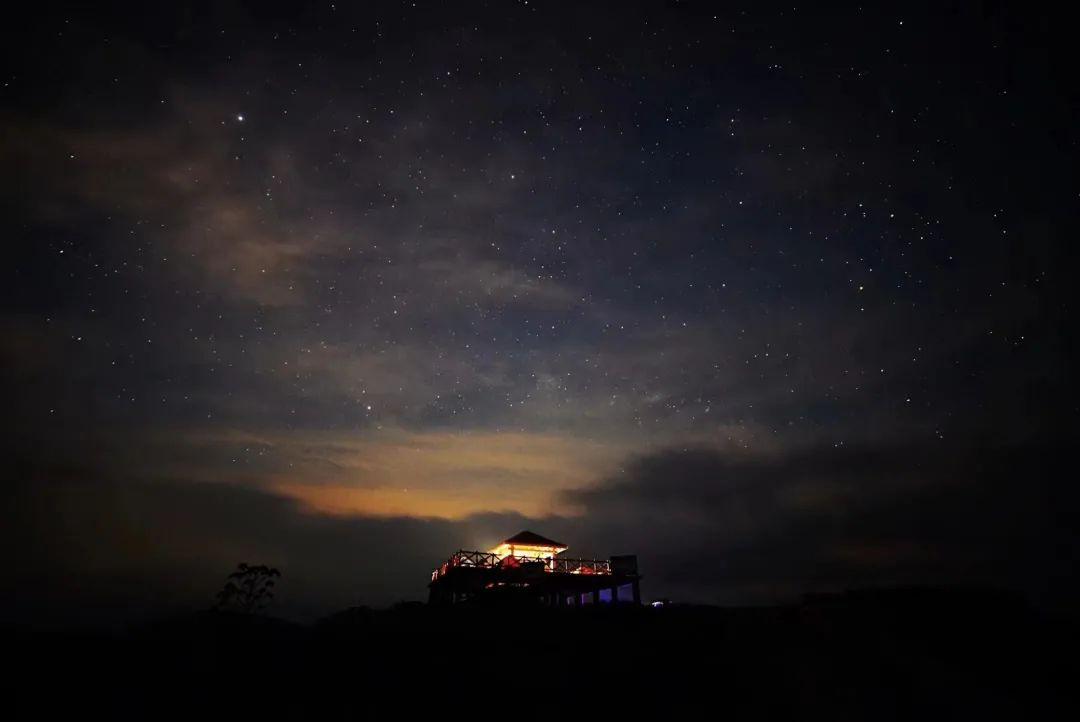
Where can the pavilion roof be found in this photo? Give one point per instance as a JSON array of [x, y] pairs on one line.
[[528, 538]]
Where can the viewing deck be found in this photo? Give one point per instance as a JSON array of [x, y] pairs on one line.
[[527, 569], [490, 560]]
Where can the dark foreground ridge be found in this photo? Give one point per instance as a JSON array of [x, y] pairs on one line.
[[901, 654]]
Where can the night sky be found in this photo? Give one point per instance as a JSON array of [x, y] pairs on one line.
[[777, 299]]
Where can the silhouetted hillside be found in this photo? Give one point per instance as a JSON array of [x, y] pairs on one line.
[[897, 654]]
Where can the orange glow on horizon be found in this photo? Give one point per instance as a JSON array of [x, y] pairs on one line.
[[341, 500], [436, 474]]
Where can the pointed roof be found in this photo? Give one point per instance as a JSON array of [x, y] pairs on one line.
[[528, 538]]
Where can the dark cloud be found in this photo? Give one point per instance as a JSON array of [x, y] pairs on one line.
[[747, 527], [708, 526], [124, 549]]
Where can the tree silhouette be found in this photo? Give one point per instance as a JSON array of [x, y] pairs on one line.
[[249, 589]]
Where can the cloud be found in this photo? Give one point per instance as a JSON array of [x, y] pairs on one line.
[[374, 472], [708, 525], [259, 222], [434, 473], [739, 527], [124, 546], [135, 548], [486, 281]]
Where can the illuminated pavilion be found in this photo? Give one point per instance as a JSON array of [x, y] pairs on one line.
[[528, 567]]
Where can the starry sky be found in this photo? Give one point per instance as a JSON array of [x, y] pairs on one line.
[[777, 299]]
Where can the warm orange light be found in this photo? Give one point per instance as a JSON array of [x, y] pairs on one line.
[[527, 551]]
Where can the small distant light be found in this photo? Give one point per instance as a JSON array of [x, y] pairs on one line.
[[656, 605], [240, 118]]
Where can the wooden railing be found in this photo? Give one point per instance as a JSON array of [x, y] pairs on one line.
[[488, 560]]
